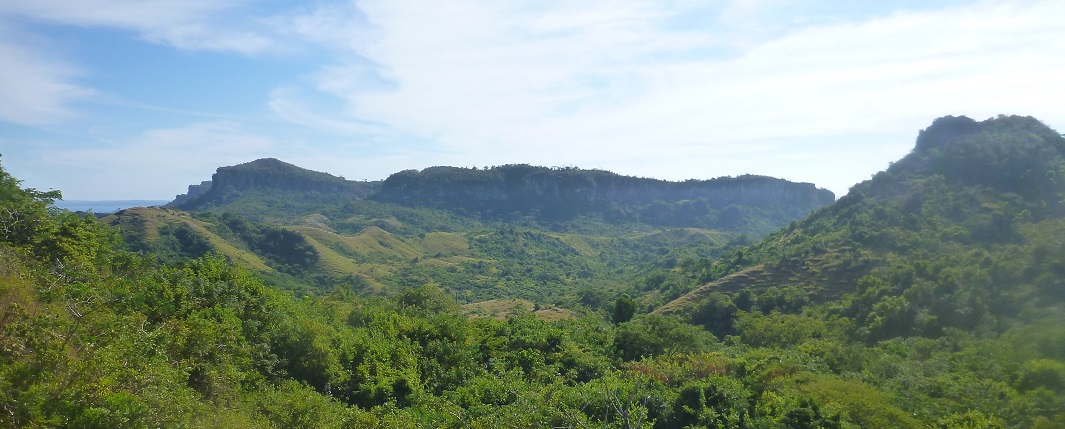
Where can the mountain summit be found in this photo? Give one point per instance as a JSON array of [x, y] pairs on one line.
[[1014, 154], [271, 179]]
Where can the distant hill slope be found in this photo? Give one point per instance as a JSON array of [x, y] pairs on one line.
[[547, 195], [479, 263], [968, 192], [105, 206], [150, 229]]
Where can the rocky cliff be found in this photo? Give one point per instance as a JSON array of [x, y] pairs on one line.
[[554, 194], [272, 178], [518, 192]]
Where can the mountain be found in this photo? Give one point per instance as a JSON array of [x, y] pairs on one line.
[[574, 230], [272, 189], [271, 184], [937, 237], [549, 195], [95, 336]]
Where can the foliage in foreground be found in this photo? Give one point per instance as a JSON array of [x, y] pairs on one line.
[[93, 336], [945, 311]]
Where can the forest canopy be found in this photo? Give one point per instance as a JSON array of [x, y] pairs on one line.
[[927, 297]]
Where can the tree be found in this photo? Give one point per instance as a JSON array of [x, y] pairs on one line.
[[427, 298], [716, 313], [624, 309]]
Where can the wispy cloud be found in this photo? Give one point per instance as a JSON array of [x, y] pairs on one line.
[[40, 82], [338, 25], [188, 24], [630, 80], [36, 89], [672, 89], [296, 106], [177, 156]]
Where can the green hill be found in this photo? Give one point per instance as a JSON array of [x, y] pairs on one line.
[[968, 188], [929, 296]]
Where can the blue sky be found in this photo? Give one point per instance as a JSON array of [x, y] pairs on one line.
[[137, 99]]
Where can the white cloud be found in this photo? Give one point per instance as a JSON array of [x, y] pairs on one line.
[[333, 25], [186, 24], [614, 82], [670, 89], [40, 84], [134, 168], [295, 106], [36, 89]]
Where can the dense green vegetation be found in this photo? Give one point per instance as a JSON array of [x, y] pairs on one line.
[[929, 296], [956, 239], [379, 248], [95, 336]]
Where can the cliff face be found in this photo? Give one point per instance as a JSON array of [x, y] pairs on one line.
[[511, 182], [270, 177], [274, 174], [553, 195], [195, 191], [520, 192]]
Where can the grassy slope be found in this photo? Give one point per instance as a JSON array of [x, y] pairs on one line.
[[478, 263], [149, 220]]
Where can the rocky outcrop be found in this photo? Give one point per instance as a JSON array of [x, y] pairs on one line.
[[195, 191], [560, 194], [522, 192], [271, 177]]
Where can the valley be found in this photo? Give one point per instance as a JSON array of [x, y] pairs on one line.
[[930, 295]]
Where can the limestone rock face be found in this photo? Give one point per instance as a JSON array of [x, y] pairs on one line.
[[272, 177], [524, 192], [560, 194], [194, 192]]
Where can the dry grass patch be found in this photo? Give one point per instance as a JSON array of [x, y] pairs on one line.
[[500, 309]]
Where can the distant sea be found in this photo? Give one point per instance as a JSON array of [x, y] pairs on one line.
[[106, 206]]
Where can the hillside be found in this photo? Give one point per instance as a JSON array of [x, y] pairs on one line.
[[475, 261], [969, 193], [97, 337], [158, 230], [555, 236]]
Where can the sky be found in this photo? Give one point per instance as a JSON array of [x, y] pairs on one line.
[[137, 99]]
